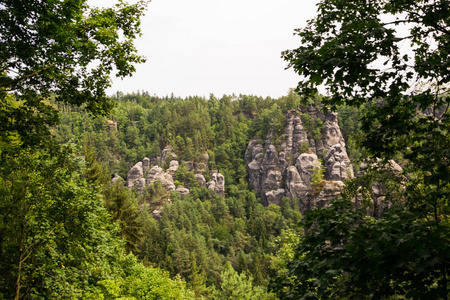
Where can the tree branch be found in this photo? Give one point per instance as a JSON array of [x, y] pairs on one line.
[[26, 76]]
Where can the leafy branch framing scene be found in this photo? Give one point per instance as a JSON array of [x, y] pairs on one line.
[[337, 190]]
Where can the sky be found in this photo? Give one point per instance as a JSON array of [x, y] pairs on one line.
[[199, 47]]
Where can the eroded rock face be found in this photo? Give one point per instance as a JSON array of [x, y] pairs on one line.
[[173, 167], [167, 155], [183, 191], [330, 191], [254, 157], [200, 179], [142, 174], [274, 174], [333, 135], [135, 173], [274, 197], [337, 163], [217, 183], [154, 174], [305, 165]]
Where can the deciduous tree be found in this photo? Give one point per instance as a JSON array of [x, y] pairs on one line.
[[359, 51]]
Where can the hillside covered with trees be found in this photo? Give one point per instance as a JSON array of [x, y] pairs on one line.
[[135, 196], [198, 236]]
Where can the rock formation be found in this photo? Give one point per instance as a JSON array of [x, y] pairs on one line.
[[287, 172], [217, 183], [167, 155], [135, 173], [145, 173]]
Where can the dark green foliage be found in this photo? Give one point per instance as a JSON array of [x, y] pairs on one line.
[[124, 210], [199, 234], [62, 50], [314, 127], [344, 253], [54, 227], [347, 254]]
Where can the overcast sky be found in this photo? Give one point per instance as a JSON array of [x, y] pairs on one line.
[[199, 47]]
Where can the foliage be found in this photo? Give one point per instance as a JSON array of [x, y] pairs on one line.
[[348, 254], [63, 50], [140, 282], [56, 238], [124, 210], [317, 181], [344, 253], [314, 127], [238, 286]]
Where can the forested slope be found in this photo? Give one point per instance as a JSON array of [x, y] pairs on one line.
[[199, 234]]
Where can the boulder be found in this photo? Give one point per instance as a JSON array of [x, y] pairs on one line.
[[168, 184], [200, 168], [330, 191], [115, 178], [173, 167], [140, 184], [200, 179], [157, 214], [135, 173], [217, 183], [275, 197], [167, 155], [183, 191], [305, 164], [154, 174], [337, 164], [112, 125], [145, 164]]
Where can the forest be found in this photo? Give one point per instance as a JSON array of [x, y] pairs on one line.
[[308, 196]]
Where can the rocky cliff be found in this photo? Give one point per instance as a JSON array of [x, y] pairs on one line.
[[148, 171], [287, 169]]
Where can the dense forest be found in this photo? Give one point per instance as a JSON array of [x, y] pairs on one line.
[[308, 196], [203, 234]]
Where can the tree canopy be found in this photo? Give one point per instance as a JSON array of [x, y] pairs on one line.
[[65, 50], [57, 236], [391, 58]]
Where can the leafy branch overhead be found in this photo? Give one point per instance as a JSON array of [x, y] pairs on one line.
[[359, 50], [66, 50], [391, 58]]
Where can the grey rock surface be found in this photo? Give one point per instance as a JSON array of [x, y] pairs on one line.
[[217, 183], [135, 173], [305, 164], [183, 191], [274, 197], [167, 155], [145, 164], [337, 163], [287, 170], [173, 167], [200, 179]]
